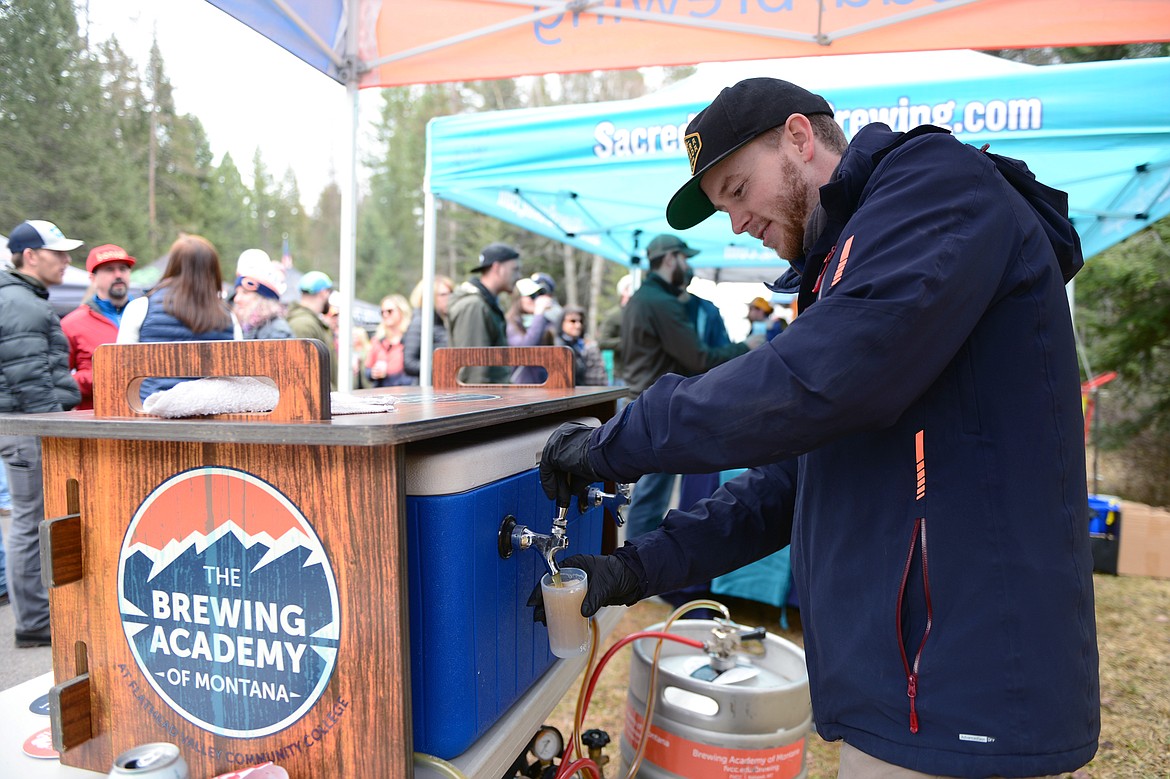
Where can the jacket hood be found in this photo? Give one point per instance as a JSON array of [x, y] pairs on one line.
[[841, 196], [1050, 205]]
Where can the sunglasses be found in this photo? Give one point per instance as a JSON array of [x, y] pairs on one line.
[[574, 321]]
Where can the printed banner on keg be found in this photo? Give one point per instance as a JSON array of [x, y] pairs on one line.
[[228, 602], [683, 757]]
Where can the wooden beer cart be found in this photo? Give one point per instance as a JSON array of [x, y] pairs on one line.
[[319, 487]]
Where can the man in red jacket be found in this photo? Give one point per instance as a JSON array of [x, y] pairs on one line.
[[96, 320]]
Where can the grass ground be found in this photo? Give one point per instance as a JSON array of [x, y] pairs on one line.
[[1133, 627]]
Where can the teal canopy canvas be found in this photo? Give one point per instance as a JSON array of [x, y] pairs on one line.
[[598, 176]]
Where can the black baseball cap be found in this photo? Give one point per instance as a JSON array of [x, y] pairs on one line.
[[493, 253], [666, 243], [736, 116]]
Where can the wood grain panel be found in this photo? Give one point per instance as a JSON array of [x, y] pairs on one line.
[[352, 498], [72, 720], [298, 366], [61, 550], [557, 360]]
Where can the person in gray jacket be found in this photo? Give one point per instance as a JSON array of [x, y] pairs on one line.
[[34, 378], [475, 314]]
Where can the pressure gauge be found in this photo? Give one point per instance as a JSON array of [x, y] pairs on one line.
[[548, 744]]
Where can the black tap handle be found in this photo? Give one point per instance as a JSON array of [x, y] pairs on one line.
[[594, 738], [755, 634]]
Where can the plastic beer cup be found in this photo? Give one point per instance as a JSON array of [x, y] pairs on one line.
[[568, 631]]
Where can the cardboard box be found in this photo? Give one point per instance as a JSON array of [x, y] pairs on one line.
[[1145, 541]]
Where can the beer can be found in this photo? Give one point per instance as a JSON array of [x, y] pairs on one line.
[[155, 761]]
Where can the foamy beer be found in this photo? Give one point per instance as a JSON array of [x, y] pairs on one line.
[[568, 631]]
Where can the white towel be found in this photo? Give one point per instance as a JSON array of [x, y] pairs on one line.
[[340, 403], [245, 395]]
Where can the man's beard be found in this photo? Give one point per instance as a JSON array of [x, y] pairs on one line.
[[790, 210], [118, 293], [678, 277]]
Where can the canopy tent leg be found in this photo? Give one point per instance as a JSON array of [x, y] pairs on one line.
[[346, 284], [428, 282]]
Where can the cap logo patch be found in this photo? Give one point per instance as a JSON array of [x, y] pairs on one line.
[[694, 145]]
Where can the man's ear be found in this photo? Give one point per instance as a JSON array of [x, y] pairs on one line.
[[798, 131]]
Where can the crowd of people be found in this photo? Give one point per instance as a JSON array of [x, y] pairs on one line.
[[665, 329], [979, 659]]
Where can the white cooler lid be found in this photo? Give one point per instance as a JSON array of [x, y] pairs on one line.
[[455, 464]]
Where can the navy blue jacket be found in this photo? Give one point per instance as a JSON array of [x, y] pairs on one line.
[[917, 436]]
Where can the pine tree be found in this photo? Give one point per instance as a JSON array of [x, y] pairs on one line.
[[50, 104]]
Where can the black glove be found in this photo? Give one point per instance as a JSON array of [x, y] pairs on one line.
[[611, 583], [564, 463]]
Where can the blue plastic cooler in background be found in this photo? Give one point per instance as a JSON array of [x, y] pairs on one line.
[[1105, 532], [474, 649]]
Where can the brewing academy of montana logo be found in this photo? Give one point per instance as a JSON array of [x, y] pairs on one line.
[[228, 602]]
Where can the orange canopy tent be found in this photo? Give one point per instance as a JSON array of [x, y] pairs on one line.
[[371, 43], [401, 42]]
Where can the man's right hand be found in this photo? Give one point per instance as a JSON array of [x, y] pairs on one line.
[[564, 463], [611, 583]]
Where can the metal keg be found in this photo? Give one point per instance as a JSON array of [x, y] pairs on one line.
[[747, 715]]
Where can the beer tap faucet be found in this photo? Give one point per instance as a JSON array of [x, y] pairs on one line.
[[513, 536]]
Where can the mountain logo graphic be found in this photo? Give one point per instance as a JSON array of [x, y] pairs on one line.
[[229, 602]]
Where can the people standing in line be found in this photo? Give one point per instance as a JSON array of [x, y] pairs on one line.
[[185, 305], [475, 316], [588, 365], [760, 315], [385, 363], [609, 337], [34, 379], [412, 341], [533, 320], [256, 296], [916, 435], [306, 317], [96, 320], [658, 339]]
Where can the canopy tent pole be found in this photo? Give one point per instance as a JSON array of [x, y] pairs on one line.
[[346, 284], [428, 278]]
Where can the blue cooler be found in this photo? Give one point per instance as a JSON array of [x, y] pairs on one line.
[[474, 649], [1105, 532]]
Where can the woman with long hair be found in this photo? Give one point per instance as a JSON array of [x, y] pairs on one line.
[[185, 305], [412, 340], [385, 361]]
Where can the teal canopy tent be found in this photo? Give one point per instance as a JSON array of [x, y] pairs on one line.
[[598, 176]]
